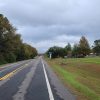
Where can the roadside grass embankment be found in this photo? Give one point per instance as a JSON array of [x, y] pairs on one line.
[[81, 75]]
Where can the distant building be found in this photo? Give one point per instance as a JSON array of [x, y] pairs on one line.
[[91, 55]]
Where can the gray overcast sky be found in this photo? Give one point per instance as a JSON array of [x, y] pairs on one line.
[[45, 23]]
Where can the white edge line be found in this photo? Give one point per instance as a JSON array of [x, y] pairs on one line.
[[48, 84]]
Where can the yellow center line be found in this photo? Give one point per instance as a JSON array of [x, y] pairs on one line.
[[12, 73]]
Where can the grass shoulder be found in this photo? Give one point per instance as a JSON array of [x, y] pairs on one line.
[[81, 75]]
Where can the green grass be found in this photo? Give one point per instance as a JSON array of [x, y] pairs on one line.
[[86, 60], [82, 74], [71, 79]]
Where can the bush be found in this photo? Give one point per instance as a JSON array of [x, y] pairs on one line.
[[2, 60], [10, 57]]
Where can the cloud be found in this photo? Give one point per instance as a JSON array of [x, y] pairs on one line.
[[44, 23]]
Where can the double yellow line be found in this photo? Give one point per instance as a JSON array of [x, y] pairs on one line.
[[12, 73]]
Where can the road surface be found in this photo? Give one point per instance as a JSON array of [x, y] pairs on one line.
[[31, 80]]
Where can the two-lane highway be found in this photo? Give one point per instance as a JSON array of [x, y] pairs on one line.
[[31, 80]]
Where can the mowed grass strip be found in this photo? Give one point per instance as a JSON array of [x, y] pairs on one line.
[[82, 76], [95, 60]]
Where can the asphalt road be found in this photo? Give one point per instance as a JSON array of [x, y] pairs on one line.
[[31, 80]]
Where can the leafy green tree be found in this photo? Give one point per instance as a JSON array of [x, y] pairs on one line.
[[8, 38], [68, 50], [26, 52], [84, 46], [96, 47], [68, 47], [11, 46], [56, 52], [75, 50], [10, 57]]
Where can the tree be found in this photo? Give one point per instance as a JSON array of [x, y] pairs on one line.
[[9, 40], [75, 50], [68, 47], [11, 46], [84, 46], [96, 47], [56, 51], [26, 52], [68, 50], [10, 57]]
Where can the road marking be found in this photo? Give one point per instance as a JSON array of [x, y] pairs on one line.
[[11, 73], [10, 66], [48, 84]]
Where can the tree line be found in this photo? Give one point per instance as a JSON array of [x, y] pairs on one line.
[[12, 47], [79, 50]]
